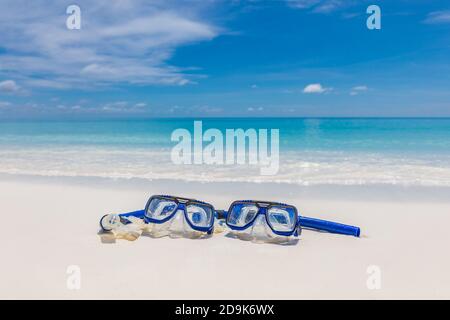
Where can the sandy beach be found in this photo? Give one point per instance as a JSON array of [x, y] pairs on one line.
[[52, 223]]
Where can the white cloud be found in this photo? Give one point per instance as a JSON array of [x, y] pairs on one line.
[[120, 107], [315, 88], [207, 109], [329, 6], [438, 17], [318, 6], [115, 106], [9, 86], [4, 104], [302, 4], [119, 42], [358, 89], [254, 86]]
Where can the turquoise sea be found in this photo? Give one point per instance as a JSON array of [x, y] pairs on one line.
[[313, 151]]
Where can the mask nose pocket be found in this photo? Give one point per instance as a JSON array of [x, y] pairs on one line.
[[180, 228], [178, 225], [260, 231], [158, 230]]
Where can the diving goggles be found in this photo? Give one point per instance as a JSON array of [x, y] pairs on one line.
[[166, 215], [265, 221], [247, 219]]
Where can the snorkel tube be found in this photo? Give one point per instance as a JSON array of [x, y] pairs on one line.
[[329, 226]]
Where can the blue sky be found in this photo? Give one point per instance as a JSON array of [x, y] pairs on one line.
[[224, 58]]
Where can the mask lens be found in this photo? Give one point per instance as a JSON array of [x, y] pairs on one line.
[[199, 215], [282, 219], [160, 209], [242, 214]]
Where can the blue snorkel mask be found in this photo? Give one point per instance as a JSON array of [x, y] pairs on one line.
[[262, 221], [258, 221], [265, 221], [166, 216]]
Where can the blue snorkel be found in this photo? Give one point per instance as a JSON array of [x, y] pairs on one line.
[[329, 226]]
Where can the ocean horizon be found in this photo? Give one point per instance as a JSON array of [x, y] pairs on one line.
[[313, 151]]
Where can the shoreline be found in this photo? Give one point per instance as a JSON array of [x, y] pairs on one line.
[[385, 192]]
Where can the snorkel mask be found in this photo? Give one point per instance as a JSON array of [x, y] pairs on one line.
[[275, 222], [165, 216], [178, 217], [261, 221]]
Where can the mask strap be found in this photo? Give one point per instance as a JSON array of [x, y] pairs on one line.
[[137, 214]]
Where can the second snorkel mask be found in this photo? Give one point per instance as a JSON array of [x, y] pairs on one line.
[[266, 221], [261, 221], [258, 221]]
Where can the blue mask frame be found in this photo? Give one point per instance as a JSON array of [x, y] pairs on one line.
[[182, 204], [263, 207]]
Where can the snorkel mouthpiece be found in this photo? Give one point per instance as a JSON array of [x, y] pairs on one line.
[[109, 221]]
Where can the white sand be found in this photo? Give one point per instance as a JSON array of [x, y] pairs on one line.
[[49, 225]]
